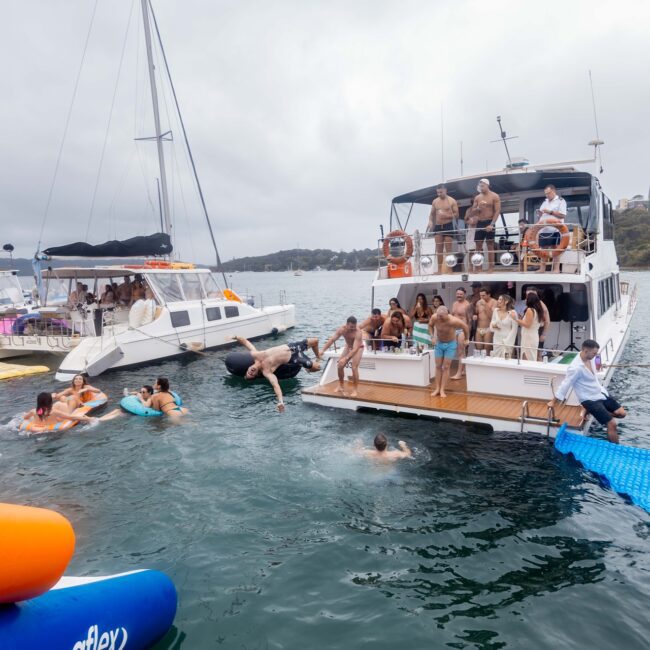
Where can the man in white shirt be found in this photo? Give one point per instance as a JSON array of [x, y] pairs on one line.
[[581, 376], [553, 206]]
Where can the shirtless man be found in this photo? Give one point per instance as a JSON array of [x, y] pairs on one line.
[[380, 452], [124, 291], [352, 353], [163, 400], [443, 211], [371, 327], [445, 329], [487, 207], [266, 362], [461, 309], [392, 330], [483, 317]]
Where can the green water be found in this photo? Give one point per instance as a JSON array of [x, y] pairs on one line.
[[277, 536]]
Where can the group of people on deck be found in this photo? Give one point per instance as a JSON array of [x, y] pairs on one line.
[[479, 221]]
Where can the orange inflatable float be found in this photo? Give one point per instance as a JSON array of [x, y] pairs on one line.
[[35, 546]]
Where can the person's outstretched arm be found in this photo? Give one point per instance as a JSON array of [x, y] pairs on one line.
[[405, 449], [245, 342], [331, 340], [273, 380]]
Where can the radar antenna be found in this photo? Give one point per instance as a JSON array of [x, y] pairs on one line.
[[597, 142], [504, 138]]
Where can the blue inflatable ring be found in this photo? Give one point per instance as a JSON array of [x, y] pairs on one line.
[[132, 404]]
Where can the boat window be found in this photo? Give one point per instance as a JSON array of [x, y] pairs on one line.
[[608, 219], [191, 286], [575, 304], [168, 286], [550, 295], [577, 209], [231, 312], [10, 290], [213, 313], [179, 318], [210, 285]]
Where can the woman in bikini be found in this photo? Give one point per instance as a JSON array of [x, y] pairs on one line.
[[163, 400], [421, 313], [48, 412], [71, 398]]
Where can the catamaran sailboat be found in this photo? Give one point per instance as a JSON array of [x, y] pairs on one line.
[[586, 299], [163, 307]]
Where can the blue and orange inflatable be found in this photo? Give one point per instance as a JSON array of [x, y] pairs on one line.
[[42, 609]]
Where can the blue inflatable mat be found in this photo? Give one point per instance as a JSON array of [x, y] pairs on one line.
[[121, 612], [626, 469], [132, 404]]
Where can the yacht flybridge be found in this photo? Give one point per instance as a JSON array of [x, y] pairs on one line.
[[585, 299], [160, 308]]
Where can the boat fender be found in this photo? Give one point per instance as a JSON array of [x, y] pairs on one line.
[[133, 405], [237, 363]]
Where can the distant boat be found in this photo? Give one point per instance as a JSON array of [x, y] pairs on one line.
[[297, 272]]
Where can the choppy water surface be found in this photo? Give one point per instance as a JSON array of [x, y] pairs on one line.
[[277, 536]]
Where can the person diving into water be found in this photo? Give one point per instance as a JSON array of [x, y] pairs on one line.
[[266, 362]]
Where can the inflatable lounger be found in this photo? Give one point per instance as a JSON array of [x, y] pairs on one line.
[[120, 612], [626, 469], [35, 546], [133, 405], [237, 363], [92, 401], [12, 370]]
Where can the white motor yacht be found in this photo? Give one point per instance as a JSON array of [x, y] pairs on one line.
[[586, 299]]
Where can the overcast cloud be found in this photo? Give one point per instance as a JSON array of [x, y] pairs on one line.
[[306, 118]]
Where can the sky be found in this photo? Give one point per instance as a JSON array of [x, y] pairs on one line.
[[305, 118]]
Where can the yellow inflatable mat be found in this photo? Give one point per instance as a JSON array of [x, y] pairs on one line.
[[12, 370]]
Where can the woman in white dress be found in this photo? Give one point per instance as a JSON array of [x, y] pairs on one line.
[[533, 316], [504, 325]]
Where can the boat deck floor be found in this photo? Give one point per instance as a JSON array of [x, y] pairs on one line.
[[458, 401]]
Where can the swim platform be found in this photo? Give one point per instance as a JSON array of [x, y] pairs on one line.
[[625, 469]]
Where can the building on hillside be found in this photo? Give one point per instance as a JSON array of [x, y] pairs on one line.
[[637, 202]]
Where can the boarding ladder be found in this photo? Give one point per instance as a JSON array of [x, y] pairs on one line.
[[525, 418]]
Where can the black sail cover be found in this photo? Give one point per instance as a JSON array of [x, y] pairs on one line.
[[158, 244]]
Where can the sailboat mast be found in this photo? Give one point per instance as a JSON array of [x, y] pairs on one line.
[[156, 117]]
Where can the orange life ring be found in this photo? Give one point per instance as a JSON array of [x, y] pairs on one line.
[[231, 295], [408, 243], [533, 238], [157, 264]]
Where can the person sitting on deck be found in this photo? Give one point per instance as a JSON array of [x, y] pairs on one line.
[[352, 353], [266, 362], [381, 453], [445, 327], [77, 297], [581, 376], [107, 298], [144, 310], [393, 329]]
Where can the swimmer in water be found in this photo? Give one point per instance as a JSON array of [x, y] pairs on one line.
[[49, 412], [162, 399], [71, 397], [381, 453]]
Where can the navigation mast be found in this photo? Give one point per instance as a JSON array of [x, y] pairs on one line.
[[159, 137]]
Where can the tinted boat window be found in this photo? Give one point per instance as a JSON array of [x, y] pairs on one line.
[[179, 318], [213, 313], [231, 311]]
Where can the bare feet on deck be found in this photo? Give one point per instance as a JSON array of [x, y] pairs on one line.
[[353, 394], [435, 392], [340, 389], [456, 377]]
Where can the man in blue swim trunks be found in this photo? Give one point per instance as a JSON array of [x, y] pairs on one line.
[[445, 326]]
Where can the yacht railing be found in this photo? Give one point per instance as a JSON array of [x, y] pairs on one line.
[[464, 255]]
